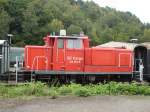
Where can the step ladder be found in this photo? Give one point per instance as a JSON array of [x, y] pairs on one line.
[[12, 78], [136, 75], [17, 76]]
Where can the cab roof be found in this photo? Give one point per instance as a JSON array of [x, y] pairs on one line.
[[70, 37]]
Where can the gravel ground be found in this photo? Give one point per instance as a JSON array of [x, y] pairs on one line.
[[78, 104]]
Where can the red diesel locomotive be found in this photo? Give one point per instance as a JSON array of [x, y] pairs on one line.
[[71, 55]]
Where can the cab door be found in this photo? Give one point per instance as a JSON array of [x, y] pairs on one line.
[[60, 54], [74, 55]]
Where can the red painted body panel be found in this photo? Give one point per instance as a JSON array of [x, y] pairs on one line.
[[85, 59], [103, 57], [38, 58], [108, 60]]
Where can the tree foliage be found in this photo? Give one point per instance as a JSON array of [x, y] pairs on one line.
[[4, 23], [30, 20]]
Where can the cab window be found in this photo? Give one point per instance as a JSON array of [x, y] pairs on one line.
[[60, 43], [74, 44]]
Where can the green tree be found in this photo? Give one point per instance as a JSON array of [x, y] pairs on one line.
[[74, 29], [146, 36], [30, 20], [30, 23], [56, 25], [4, 23]]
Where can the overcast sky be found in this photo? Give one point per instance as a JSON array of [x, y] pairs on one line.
[[141, 8]]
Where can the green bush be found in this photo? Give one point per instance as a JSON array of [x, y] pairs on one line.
[[83, 92], [38, 89], [41, 89], [64, 90], [3, 91], [53, 94], [30, 89]]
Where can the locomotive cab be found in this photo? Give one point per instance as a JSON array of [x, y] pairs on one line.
[[68, 52]]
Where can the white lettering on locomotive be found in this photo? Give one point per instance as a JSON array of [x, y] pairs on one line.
[[75, 60]]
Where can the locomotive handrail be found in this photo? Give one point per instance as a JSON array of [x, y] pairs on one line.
[[36, 58]]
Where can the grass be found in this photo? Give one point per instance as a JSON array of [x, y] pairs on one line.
[[41, 89]]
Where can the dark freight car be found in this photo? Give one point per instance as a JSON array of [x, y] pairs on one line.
[[143, 51], [4, 56]]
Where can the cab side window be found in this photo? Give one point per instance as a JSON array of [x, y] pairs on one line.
[[74, 43], [60, 43], [70, 44]]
